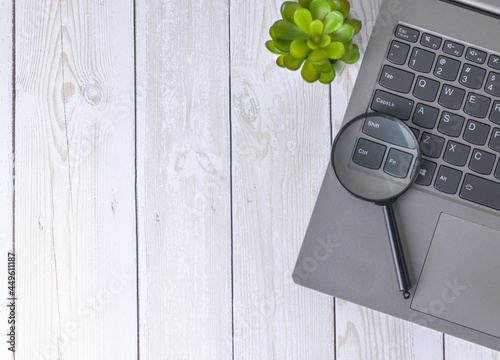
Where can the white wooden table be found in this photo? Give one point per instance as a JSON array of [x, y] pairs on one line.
[[165, 172]]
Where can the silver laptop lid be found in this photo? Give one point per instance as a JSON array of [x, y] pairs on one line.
[[491, 6]]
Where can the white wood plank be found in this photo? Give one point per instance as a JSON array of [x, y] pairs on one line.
[[75, 197], [6, 169], [281, 145], [363, 333], [458, 349], [183, 146]]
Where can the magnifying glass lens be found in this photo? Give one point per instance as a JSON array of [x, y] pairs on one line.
[[376, 157]]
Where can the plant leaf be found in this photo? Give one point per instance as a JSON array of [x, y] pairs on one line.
[[287, 31], [356, 24], [312, 45], [333, 22], [272, 33], [303, 19], [270, 46], [288, 9], [344, 34], [279, 61], [350, 55], [334, 5], [317, 56], [282, 45], [316, 28], [345, 7], [328, 77], [348, 46], [323, 67], [299, 49], [325, 42], [319, 9], [292, 63], [353, 60], [335, 50], [304, 3], [309, 73]]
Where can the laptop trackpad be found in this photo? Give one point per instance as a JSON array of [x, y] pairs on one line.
[[460, 281]]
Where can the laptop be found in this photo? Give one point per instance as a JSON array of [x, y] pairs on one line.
[[435, 65]]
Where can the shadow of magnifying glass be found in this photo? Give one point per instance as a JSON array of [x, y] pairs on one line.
[[376, 158]]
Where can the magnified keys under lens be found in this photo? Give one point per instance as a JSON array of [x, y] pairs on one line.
[[376, 157]]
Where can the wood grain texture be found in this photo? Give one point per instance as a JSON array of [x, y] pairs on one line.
[[281, 141], [459, 349], [6, 165], [363, 333], [75, 208], [183, 167]]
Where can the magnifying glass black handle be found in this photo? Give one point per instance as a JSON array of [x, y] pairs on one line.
[[402, 274]]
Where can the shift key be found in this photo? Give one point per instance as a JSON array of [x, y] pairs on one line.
[[392, 104], [481, 191]]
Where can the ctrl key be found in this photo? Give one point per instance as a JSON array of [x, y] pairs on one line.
[[369, 154]]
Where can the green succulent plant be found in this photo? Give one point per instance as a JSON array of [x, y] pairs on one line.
[[314, 35]]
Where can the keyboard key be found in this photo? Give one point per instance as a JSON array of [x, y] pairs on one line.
[[398, 53], [396, 79], [426, 173], [497, 171], [495, 140], [451, 124], [493, 85], [472, 76], [431, 41], [477, 105], [447, 68], [447, 180], [385, 130], [476, 132], [475, 55], [453, 48], [482, 162], [421, 60], [495, 113], [426, 89], [481, 191], [431, 145], [369, 154], [392, 104], [494, 62], [406, 33], [451, 97], [425, 116], [456, 154], [398, 163]]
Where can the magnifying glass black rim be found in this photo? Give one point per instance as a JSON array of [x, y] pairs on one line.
[[390, 200]]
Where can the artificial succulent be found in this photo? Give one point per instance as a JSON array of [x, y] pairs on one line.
[[315, 35]]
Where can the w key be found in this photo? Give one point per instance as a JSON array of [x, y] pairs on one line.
[[451, 97]]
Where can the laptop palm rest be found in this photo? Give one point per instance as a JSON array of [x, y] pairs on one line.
[[460, 281]]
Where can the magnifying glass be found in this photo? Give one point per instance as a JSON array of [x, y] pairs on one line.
[[376, 157]]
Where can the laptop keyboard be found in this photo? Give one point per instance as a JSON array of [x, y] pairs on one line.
[[448, 92]]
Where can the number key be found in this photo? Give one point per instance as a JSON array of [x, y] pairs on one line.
[[472, 76], [493, 84], [421, 60], [446, 68]]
